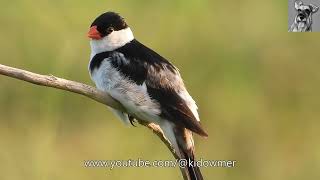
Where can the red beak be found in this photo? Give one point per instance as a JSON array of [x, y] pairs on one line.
[[94, 33]]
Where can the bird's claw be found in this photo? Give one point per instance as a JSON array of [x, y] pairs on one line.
[[132, 120]]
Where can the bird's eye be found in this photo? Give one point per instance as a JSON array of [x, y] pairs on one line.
[[109, 30]]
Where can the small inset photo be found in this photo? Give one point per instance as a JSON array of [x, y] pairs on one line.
[[303, 16]]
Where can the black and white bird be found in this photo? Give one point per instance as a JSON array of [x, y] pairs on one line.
[[146, 84]]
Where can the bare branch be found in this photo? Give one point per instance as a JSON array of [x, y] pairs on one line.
[[83, 89]]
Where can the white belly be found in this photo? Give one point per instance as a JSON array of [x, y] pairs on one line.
[[133, 97]]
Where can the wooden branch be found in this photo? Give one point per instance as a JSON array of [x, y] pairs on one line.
[[83, 89]]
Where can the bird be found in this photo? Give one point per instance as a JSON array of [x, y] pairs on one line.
[[149, 87]]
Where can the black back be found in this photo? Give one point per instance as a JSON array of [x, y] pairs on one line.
[[140, 57]]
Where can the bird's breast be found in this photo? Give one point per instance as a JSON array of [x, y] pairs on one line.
[[134, 97], [105, 76]]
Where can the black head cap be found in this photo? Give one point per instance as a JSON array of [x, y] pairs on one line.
[[108, 22]]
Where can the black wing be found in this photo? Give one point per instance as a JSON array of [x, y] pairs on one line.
[[163, 82]]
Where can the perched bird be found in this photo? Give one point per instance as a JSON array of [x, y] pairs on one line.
[[148, 86]]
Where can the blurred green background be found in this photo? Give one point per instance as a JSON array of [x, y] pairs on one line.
[[256, 85]]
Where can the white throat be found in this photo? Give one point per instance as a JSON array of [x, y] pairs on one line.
[[114, 40]]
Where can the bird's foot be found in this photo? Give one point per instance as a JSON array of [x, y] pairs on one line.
[[132, 120]]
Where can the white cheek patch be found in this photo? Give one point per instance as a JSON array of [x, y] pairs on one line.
[[114, 40]]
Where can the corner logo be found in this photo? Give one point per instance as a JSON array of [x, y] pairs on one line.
[[303, 19]]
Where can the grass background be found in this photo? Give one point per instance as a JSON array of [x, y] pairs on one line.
[[256, 85]]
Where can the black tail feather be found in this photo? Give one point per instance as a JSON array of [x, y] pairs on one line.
[[193, 172], [185, 148]]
